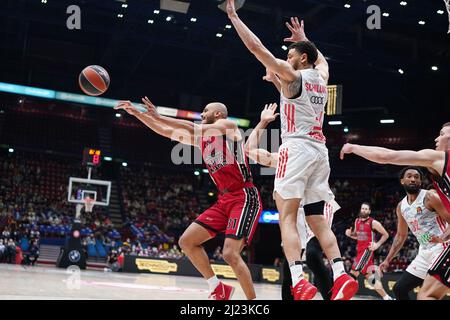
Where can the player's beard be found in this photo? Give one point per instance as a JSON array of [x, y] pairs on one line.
[[363, 215], [412, 188]]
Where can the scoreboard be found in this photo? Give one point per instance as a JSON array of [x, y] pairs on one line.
[[92, 157]]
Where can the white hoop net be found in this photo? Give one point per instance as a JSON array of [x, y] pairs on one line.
[[88, 204], [447, 5]]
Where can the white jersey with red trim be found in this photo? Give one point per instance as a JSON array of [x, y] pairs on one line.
[[422, 222], [302, 116]]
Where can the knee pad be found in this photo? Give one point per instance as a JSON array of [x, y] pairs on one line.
[[315, 208]]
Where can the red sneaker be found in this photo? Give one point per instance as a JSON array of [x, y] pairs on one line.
[[222, 292], [344, 288], [304, 290]]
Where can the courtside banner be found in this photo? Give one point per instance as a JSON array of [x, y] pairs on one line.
[[184, 267]]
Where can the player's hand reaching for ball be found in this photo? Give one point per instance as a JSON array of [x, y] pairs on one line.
[[151, 109], [268, 114], [347, 148], [128, 107], [297, 29]]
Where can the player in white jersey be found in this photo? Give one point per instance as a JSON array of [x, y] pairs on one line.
[[420, 211], [303, 167], [310, 245], [308, 240]]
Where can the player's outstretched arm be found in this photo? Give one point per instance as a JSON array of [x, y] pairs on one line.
[[298, 34], [399, 239], [283, 69], [426, 158], [272, 77], [262, 156], [378, 227], [152, 120]]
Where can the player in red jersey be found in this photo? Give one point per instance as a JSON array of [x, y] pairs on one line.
[[239, 205], [363, 232], [437, 282]]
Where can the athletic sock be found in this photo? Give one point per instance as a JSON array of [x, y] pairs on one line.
[[213, 282], [338, 268], [296, 268]]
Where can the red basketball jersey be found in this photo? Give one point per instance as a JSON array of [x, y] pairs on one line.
[[226, 162], [364, 233], [442, 183]]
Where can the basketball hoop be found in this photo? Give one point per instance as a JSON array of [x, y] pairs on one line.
[[88, 204]]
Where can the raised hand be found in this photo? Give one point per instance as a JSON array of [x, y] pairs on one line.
[[268, 114], [231, 9], [347, 148], [297, 29]]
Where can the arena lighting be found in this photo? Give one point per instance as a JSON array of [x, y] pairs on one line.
[[401, 71], [346, 129], [120, 15], [384, 121], [205, 171], [219, 35], [193, 19], [107, 158], [334, 123], [169, 18], [156, 11], [284, 47], [434, 68], [228, 26], [118, 115], [440, 12], [10, 150], [196, 173], [150, 21], [403, 3], [124, 164], [347, 5], [386, 14], [124, 5], [421, 22], [211, 194]]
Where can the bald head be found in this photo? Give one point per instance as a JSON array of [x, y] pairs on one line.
[[218, 107]]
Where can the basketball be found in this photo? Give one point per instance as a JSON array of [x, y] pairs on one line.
[[94, 80]]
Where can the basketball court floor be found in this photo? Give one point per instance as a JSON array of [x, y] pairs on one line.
[[49, 283]]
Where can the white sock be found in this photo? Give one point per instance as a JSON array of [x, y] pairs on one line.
[[338, 268], [213, 282], [296, 272]]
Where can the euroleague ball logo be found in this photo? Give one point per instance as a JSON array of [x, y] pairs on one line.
[[74, 256]]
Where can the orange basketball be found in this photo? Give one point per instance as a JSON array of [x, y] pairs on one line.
[[94, 80]]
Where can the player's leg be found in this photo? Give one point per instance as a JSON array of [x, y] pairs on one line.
[[286, 286], [288, 209], [432, 289], [322, 277], [405, 285], [232, 255], [244, 208], [191, 243], [378, 286]]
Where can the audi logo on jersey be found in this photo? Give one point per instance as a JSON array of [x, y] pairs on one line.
[[316, 100]]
